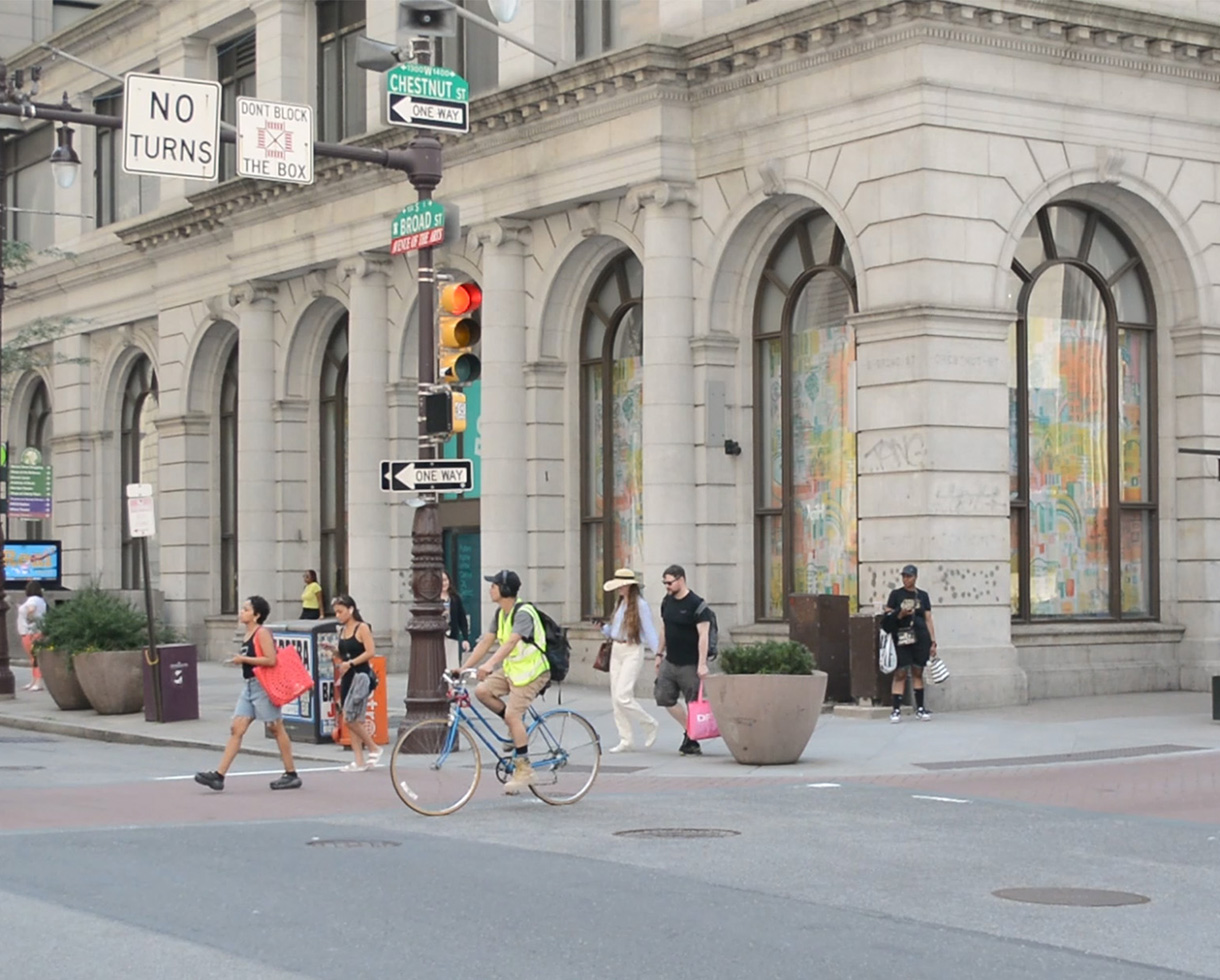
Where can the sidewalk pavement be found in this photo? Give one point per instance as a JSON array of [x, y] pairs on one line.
[[1115, 726]]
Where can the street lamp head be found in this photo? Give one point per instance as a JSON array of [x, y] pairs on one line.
[[64, 162]]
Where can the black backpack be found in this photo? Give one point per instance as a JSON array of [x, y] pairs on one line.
[[557, 649], [713, 630]]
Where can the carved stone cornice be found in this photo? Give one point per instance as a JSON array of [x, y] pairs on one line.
[[766, 51], [502, 233], [660, 194], [191, 424], [549, 373], [253, 292]]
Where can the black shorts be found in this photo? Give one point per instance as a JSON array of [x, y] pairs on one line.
[[675, 679], [913, 654]]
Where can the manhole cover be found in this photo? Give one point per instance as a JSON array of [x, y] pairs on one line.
[[684, 833], [1087, 897], [319, 842], [20, 768]]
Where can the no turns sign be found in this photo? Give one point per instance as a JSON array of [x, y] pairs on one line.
[[171, 126]]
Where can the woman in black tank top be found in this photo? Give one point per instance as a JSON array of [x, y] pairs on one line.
[[353, 657]]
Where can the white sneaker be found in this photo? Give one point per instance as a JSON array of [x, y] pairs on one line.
[[651, 735], [923, 714], [895, 716], [623, 746], [374, 759]]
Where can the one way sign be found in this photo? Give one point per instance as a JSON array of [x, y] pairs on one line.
[[429, 475]]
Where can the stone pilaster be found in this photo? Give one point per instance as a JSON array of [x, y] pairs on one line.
[[254, 307], [503, 422], [669, 378], [368, 514], [932, 411], [285, 46]]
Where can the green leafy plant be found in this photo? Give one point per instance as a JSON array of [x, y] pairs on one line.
[[94, 619], [772, 657]]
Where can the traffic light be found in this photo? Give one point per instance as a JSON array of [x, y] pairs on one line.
[[444, 412], [460, 330]]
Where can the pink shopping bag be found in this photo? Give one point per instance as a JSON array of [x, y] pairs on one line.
[[700, 724]]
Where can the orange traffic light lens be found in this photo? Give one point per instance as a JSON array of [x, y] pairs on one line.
[[459, 298]]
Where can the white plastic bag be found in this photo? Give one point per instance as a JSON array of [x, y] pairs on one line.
[[888, 657]]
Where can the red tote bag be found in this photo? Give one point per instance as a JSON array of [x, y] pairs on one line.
[[287, 680]]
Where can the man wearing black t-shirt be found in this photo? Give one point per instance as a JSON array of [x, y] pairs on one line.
[[682, 659]]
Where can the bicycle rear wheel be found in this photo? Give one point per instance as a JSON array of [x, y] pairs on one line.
[[565, 754], [435, 767]]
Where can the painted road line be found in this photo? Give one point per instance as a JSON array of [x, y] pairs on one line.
[[938, 799], [822, 786]]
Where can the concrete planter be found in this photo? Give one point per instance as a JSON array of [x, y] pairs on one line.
[[113, 680], [766, 719], [61, 681]]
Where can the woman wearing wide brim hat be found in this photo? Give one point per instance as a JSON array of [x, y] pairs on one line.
[[631, 631]]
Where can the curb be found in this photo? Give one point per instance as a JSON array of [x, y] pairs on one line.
[[130, 738]]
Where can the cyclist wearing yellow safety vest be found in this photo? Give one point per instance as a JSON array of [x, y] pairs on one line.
[[517, 670]]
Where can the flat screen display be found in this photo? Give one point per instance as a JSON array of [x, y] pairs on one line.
[[32, 561]]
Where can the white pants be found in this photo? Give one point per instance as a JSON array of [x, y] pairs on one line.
[[625, 662]]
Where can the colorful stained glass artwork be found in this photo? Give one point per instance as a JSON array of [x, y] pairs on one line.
[[627, 479]]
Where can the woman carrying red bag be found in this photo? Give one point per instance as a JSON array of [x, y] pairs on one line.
[[257, 650]]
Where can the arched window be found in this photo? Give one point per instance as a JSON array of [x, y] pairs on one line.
[[805, 441], [139, 454], [612, 443], [332, 456], [1082, 422], [228, 485], [38, 436]]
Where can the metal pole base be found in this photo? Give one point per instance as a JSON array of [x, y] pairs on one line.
[[425, 699]]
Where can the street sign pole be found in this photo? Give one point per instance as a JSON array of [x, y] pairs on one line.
[[427, 624]]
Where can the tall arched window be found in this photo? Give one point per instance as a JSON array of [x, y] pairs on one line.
[[805, 441], [228, 485], [332, 476], [612, 403], [1082, 422], [138, 453], [38, 436]]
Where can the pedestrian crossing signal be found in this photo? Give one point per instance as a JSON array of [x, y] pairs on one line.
[[460, 331]]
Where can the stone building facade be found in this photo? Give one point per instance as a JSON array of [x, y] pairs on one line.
[[790, 293]]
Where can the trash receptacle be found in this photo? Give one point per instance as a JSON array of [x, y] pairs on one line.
[[177, 668], [820, 622], [868, 684], [310, 717]]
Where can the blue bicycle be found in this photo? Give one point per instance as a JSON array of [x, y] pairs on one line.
[[436, 763]]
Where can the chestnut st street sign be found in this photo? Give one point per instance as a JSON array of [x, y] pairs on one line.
[[428, 97]]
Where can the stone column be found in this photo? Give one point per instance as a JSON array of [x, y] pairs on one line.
[[669, 379], [368, 441], [285, 48], [932, 430], [502, 423], [254, 306]]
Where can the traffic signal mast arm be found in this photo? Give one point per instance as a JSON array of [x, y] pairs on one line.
[[421, 161]]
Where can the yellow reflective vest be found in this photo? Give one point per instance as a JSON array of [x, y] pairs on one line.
[[528, 661]]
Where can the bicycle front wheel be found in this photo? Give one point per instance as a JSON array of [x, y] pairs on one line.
[[435, 766], [565, 754]]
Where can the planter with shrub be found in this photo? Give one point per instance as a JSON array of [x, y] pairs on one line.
[[103, 639], [767, 701]]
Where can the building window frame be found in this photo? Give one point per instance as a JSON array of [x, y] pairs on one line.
[[38, 421], [594, 24], [472, 53], [230, 491], [1080, 237], [236, 64], [332, 461], [601, 333], [783, 282], [29, 184], [341, 82], [114, 189], [140, 385]]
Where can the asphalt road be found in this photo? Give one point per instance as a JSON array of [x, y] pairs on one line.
[[113, 865]]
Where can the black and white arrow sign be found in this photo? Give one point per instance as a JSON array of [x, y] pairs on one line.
[[429, 475], [405, 110]]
